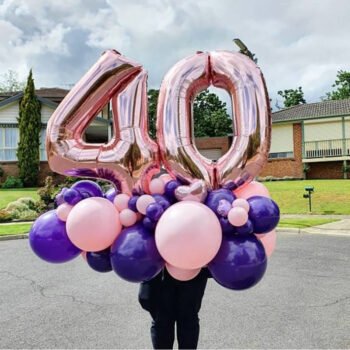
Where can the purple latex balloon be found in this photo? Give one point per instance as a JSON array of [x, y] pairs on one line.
[[224, 207], [169, 190], [227, 228], [162, 201], [149, 224], [72, 196], [132, 203], [214, 198], [240, 263], [49, 241], [154, 211], [263, 213], [88, 186], [100, 261], [246, 229], [59, 197], [134, 255], [110, 194]]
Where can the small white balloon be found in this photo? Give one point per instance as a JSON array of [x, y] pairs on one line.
[[242, 203]]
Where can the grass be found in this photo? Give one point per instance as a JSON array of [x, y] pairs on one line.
[[10, 195], [14, 229], [304, 223], [329, 197]]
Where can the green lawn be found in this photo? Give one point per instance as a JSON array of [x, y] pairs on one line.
[[329, 197], [10, 195], [14, 229], [303, 223]]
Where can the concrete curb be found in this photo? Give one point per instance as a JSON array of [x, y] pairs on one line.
[[12, 237]]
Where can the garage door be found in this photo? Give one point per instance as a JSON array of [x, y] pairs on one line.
[[211, 153]]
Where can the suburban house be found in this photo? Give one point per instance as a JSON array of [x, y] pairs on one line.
[[308, 141]]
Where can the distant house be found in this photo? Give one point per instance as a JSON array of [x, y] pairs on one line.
[[49, 98], [314, 137]]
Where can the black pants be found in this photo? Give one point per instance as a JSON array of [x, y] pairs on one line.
[[170, 301]]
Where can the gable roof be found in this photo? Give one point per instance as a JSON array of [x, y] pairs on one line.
[[55, 95], [19, 95], [324, 109]]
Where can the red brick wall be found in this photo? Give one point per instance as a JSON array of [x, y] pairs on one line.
[[325, 170], [213, 142], [287, 166], [11, 169]]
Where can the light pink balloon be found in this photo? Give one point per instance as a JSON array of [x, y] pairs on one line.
[[93, 224], [242, 203], [182, 274], [127, 217], [252, 189], [188, 235], [237, 216], [156, 186], [269, 241], [143, 202], [63, 211], [165, 178], [121, 201]]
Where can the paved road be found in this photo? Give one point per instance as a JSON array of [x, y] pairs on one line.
[[303, 302]]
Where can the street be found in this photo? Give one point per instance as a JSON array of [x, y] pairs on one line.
[[303, 301]]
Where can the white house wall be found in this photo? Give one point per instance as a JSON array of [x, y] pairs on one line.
[[282, 138], [326, 129], [347, 127], [9, 113], [46, 113]]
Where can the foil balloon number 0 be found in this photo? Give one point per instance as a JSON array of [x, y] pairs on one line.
[[131, 158]]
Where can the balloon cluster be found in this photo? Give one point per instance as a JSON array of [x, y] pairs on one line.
[[230, 232], [201, 213]]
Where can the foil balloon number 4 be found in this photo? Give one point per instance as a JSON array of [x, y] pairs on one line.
[[131, 158]]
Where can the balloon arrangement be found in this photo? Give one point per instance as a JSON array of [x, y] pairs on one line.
[[200, 213]]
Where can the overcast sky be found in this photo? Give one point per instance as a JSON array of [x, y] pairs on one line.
[[298, 42]]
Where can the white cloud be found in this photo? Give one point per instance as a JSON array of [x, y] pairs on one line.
[[298, 43]]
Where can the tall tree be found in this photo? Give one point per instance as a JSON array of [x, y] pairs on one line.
[[209, 113], [292, 97], [342, 85], [210, 116], [9, 82], [152, 111], [29, 122]]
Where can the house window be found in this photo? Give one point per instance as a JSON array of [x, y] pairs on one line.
[[281, 155], [9, 138], [43, 156]]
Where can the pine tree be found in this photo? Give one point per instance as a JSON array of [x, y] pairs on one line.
[[29, 121]]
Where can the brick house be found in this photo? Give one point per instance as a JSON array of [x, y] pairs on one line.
[[313, 136]]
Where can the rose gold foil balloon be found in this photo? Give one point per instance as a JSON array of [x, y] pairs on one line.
[[251, 119], [130, 158]]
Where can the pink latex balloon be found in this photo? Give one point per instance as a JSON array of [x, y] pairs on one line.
[[130, 158], [243, 80], [237, 216], [188, 235], [143, 202], [252, 189], [93, 224], [242, 203], [63, 211], [83, 255], [269, 241], [127, 217], [165, 178], [182, 274], [156, 186], [121, 201]]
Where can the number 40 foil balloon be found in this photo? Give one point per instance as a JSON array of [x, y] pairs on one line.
[[131, 158]]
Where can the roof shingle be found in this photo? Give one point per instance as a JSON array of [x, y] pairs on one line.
[[322, 109]]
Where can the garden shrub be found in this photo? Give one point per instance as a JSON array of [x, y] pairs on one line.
[[5, 216], [12, 182]]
